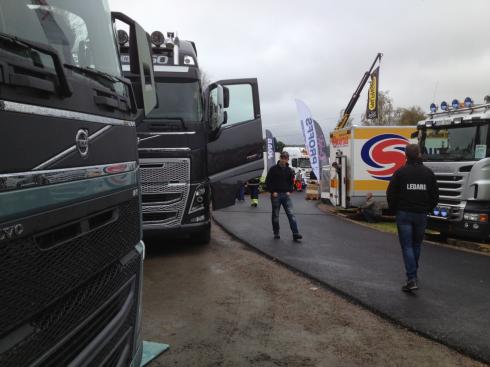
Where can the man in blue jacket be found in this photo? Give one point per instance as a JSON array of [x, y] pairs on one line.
[[412, 194], [279, 183]]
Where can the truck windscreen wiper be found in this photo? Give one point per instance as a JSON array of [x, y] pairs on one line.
[[94, 72], [65, 89]]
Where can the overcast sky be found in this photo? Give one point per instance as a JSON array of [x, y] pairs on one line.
[[318, 50]]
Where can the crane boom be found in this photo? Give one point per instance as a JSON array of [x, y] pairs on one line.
[[352, 103]]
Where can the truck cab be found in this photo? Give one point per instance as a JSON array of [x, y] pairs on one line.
[[455, 144], [70, 230], [199, 146], [299, 161]]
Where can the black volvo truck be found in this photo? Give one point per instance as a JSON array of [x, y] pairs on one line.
[[71, 253], [197, 147]]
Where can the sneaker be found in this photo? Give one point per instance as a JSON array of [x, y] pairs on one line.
[[297, 236], [410, 286], [276, 236]]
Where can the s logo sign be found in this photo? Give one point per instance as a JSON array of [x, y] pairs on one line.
[[385, 154]]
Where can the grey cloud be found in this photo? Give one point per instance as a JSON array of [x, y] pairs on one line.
[[318, 50]]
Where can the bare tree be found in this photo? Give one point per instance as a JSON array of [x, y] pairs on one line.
[[411, 115], [204, 80]]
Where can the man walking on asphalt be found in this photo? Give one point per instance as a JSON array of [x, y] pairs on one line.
[[412, 193], [279, 183]]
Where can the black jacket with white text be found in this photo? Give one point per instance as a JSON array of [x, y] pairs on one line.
[[413, 188]]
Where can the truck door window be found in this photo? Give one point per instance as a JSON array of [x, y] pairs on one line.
[[241, 106]]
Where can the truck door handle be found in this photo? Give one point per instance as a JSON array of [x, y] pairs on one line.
[[252, 157]]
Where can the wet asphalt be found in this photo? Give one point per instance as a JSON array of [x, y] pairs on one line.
[[452, 305]]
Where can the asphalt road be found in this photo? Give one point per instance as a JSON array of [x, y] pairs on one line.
[[225, 305], [452, 305]]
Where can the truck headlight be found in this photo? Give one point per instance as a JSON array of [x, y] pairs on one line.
[[199, 200], [475, 217]]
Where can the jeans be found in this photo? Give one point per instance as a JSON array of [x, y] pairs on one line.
[[284, 200], [369, 215], [241, 194], [411, 228]]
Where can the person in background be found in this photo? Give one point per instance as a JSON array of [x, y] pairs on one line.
[[313, 176], [411, 194], [240, 196], [253, 187], [370, 210], [279, 183]]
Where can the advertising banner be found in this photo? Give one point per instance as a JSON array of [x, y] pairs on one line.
[[309, 134], [271, 149], [322, 145], [372, 103]]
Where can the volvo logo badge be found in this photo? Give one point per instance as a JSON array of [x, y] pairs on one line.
[[11, 232], [81, 141]]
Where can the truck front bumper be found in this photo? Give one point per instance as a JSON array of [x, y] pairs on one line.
[[467, 229], [152, 230]]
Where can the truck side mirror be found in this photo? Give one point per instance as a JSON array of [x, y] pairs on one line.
[[226, 98], [216, 115], [141, 63]]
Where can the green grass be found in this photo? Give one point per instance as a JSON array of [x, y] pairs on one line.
[[389, 227]]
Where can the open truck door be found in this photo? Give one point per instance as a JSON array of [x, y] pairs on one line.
[[234, 151]]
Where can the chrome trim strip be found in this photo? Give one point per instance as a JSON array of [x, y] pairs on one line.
[[69, 150], [170, 133], [162, 68], [164, 149], [55, 112], [24, 180]]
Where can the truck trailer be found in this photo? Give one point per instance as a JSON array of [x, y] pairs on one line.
[[71, 249], [455, 143], [187, 158], [363, 159]]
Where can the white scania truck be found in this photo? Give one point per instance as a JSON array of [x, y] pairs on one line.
[[456, 145]]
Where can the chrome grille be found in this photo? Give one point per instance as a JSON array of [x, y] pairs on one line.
[[165, 189], [165, 170], [451, 188]]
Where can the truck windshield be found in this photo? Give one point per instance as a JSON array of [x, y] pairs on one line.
[[178, 99], [81, 31], [461, 143], [304, 162]]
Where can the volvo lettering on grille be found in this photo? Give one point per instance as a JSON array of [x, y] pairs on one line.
[[11, 232]]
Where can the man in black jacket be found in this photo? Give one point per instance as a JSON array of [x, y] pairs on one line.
[[412, 193], [279, 183]]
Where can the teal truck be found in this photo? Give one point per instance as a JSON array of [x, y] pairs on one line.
[[71, 250]]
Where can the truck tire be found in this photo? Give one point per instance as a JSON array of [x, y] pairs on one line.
[[202, 237]]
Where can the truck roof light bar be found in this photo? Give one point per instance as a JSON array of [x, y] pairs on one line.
[[449, 111]]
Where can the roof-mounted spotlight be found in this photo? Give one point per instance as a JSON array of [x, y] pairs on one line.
[[455, 104], [122, 37], [444, 106], [433, 108], [468, 102], [157, 38]]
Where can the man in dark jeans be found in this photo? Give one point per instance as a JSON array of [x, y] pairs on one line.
[[412, 193], [279, 183]]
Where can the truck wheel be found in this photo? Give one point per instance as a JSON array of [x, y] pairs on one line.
[[203, 237]]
